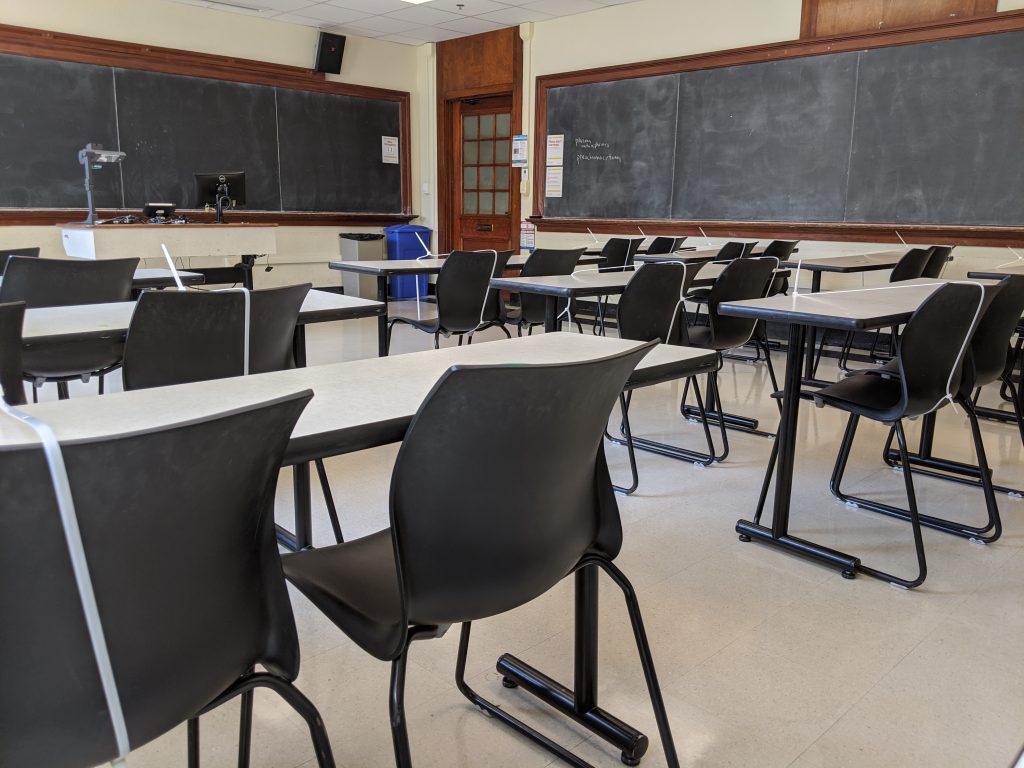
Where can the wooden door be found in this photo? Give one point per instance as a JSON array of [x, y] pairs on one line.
[[486, 189]]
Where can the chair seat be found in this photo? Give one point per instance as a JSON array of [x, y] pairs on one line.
[[420, 314], [70, 359], [700, 336], [355, 585], [874, 397], [699, 295]]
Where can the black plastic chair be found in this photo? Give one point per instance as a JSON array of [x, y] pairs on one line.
[[937, 261], [734, 249], [929, 366], [7, 253], [180, 337], [462, 293], [617, 253], [664, 245], [185, 617], [12, 315], [466, 545], [742, 279], [60, 282], [910, 267], [650, 310], [494, 309], [543, 262], [991, 360]]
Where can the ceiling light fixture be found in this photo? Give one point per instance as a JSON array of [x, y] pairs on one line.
[[240, 6], [415, 2]]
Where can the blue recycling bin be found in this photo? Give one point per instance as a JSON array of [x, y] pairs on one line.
[[404, 242]]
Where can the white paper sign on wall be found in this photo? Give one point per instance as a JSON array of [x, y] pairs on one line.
[[389, 149]]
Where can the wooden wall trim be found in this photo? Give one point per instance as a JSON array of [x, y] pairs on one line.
[[787, 230], [43, 44], [1006, 21], [40, 217], [810, 15]]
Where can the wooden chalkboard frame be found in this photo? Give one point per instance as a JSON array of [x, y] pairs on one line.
[[37, 43], [1006, 21]]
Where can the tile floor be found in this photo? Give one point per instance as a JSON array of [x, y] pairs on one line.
[[765, 660]]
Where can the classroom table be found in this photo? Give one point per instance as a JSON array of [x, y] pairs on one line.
[[382, 269], [158, 278], [998, 273], [44, 325], [695, 256], [368, 403], [577, 285], [853, 310], [844, 265]]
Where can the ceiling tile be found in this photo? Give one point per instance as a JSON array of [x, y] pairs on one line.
[[421, 14], [512, 16], [332, 14], [562, 7], [386, 25], [468, 7], [435, 34], [472, 25], [370, 6]]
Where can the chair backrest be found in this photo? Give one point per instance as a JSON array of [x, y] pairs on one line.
[[735, 249], [12, 316], [649, 305], [493, 309], [462, 289], [60, 282], [937, 261], [780, 249], [618, 253], [911, 265], [990, 346], [178, 337], [473, 540], [7, 253], [179, 537], [934, 344], [665, 245], [740, 280], [545, 262]]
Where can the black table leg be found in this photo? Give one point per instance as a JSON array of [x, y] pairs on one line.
[[778, 534], [812, 333], [579, 704], [302, 537], [551, 314], [382, 319]]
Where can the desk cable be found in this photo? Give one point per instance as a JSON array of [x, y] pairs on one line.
[[80, 567]]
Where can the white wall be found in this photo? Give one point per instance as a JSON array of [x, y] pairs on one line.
[[302, 251]]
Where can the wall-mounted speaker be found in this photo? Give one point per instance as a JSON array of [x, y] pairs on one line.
[[329, 51]]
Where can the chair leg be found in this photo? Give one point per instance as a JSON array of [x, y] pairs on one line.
[[396, 704], [835, 484], [460, 339], [62, 390], [100, 385], [193, 742], [994, 520], [35, 392], [624, 405], [245, 728], [505, 330], [391, 326], [646, 660], [1017, 398], [437, 341], [332, 510]]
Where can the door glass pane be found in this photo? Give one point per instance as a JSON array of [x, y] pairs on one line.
[[504, 125], [486, 177], [501, 177], [486, 152], [486, 202], [501, 152], [469, 127], [469, 202], [469, 178], [469, 154], [501, 203], [486, 126]]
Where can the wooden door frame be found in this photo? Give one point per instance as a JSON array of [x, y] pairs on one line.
[[447, 155]]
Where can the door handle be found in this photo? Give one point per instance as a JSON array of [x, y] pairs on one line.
[[484, 227]]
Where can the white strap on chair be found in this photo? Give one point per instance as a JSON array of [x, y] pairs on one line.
[[246, 343], [170, 265], [80, 567], [1018, 258]]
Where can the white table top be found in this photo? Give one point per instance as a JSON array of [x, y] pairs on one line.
[[859, 309], [357, 404], [425, 266], [582, 283], [80, 320], [145, 277]]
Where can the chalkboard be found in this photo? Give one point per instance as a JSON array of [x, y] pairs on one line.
[[930, 133], [301, 151]]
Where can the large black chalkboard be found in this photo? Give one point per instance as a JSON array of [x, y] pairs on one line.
[[930, 133], [301, 151]]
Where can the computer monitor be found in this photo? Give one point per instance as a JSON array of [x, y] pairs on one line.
[[225, 189]]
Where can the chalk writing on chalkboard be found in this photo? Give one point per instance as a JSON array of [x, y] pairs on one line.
[[589, 151]]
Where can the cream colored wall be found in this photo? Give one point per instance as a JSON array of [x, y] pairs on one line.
[[303, 252]]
